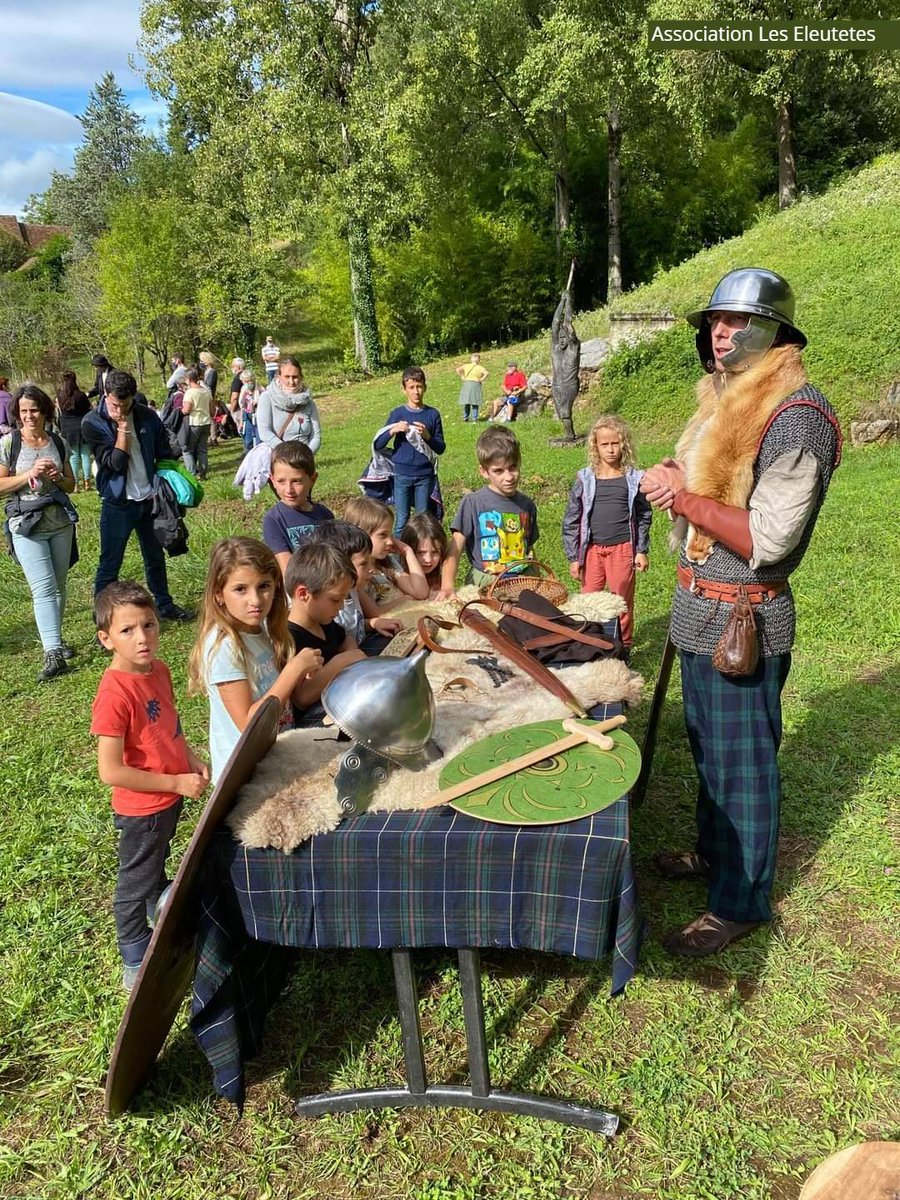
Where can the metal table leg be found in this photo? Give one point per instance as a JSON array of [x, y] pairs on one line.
[[479, 1094]]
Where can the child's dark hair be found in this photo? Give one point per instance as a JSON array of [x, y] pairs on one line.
[[316, 565], [422, 527], [415, 373], [117, 595], [498, 447], [346, 537], [295, 454]]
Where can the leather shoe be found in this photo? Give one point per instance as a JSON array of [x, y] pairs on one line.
[[675, 864], [707, 935], [177, 613]]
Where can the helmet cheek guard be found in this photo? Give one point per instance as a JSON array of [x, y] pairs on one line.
[[750, 343]]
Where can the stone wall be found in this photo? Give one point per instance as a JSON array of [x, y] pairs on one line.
[[637, 327]]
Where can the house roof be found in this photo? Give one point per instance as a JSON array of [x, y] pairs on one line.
[[32, 236]]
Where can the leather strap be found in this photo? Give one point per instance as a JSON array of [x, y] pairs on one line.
[[427, 640], [563, 633], [714, 589]]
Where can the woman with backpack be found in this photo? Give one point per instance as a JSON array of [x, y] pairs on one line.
[[72, 405], [35, 481]]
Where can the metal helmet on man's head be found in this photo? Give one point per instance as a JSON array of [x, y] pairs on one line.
[[768, 302]]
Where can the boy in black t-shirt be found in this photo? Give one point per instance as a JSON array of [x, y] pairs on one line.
[[318, 580]]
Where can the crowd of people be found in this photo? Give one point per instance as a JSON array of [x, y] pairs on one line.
[[283, 614]]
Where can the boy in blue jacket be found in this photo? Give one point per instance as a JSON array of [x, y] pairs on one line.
[[418, 439]]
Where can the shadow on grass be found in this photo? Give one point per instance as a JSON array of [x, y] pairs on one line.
[[825, 759], [310, 1043]]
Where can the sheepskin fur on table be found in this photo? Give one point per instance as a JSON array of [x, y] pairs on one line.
[[292, 796]]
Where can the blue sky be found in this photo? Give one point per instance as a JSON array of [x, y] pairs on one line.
[[51, 53]]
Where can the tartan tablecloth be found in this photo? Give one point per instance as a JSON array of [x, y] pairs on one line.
[[433, 878]]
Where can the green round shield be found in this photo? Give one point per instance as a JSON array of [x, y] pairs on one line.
[[563, 787]]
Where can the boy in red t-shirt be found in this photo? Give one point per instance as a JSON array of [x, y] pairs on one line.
[[514, 384], [142, 755]]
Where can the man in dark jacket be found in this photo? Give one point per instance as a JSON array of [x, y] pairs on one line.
[[128, 440], [103, 366]]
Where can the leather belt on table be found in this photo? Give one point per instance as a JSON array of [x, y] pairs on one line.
[[714, 589]]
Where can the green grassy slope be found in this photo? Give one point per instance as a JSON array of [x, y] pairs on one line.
[[841, 254]]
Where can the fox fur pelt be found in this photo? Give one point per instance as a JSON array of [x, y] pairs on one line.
[[719, 444], [292, 795]]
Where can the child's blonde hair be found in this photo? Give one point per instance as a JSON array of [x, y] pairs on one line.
[[623, 429], [226, 557]]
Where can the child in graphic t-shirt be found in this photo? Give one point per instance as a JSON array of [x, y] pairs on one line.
[[292, 475], [142, 755], [496, 526]]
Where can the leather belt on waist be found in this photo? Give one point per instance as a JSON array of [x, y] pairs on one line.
[[713, 589]]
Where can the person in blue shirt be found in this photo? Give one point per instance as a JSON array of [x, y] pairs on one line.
[[418, 440]]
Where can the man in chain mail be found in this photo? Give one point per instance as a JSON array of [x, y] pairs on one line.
[[745, 488]]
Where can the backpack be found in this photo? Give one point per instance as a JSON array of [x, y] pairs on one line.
[[187, 488], [171, 417], [15, 448], [169, 528]]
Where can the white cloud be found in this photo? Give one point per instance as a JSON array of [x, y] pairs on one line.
[[49, 44], [20, 177], [35, 139], [23, 120], [58, 50]]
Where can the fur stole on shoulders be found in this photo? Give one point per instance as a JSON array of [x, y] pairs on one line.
[[721, 440]]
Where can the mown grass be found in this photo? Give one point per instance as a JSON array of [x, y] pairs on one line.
[[733, 1077]]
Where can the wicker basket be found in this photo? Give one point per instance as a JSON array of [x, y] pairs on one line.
[[510, 586]]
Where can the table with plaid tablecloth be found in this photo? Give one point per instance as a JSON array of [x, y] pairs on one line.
[[411, 879]]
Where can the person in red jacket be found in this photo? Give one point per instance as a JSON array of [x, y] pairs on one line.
[[514, 384]]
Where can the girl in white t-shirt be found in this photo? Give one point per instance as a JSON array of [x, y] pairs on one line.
[[244, 652]]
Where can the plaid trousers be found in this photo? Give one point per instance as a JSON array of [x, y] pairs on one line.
[[734, 727]]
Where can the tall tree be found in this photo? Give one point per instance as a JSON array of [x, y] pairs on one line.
[[101, 172], [776, 82], [278, 120]]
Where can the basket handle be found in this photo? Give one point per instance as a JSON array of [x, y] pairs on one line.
[[530, 562]]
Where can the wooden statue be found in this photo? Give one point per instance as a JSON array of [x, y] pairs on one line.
[[565, 355]]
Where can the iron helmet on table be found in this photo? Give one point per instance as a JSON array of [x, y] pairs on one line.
[[766, 299]]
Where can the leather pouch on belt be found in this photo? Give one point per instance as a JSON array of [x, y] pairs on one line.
[[737, 650]]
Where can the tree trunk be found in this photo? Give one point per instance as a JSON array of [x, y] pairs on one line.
[[562, 193], [362, 296], [614, 173], [787, 163]]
